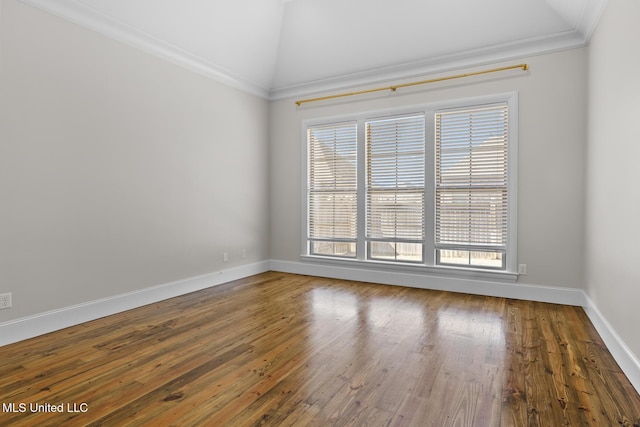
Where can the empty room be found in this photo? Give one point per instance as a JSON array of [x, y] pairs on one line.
[[319, 212]]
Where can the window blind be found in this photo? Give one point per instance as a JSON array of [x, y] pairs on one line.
[[395, 187], [332, 189], [471, 183]]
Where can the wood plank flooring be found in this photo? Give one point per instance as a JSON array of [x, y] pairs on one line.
[[286, 350]]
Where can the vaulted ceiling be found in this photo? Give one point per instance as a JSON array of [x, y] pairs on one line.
[[280, 48]]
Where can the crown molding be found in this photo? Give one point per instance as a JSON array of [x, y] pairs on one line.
[[590, 17], [572, 39], [97, 21], [87, 17], [446, 63]]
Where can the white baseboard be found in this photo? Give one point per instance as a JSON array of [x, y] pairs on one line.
[[627, 361], [625, 358], [42, 323], [556, 295]]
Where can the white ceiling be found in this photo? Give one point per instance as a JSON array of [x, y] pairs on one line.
[[279, 48]]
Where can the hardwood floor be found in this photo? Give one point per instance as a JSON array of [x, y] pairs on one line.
[[280, 349]]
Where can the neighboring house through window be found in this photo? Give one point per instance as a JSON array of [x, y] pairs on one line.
[[432, 186]]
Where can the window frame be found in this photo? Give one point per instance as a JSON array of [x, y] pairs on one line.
[[429, 264], [341, 138], [370, 189], [464, 182]]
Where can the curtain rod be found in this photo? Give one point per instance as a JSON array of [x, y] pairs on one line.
[[393, 88]]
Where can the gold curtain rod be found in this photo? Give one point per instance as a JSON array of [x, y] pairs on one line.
[[393, 88]]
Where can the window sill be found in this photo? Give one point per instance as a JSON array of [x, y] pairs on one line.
[[395, 267]]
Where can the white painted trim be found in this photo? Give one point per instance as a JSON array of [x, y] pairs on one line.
[[625, 358], [427, 266], [90, 18], [442, 64], [556, 295], [39, 324], [486, 275], [588, 23], [95, 20], [42, 323]]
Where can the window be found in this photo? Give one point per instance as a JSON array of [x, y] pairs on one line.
[[332, 192], [471, 191], [395, 188], [432, 188]]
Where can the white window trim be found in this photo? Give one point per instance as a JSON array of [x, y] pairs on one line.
[[428, 267]]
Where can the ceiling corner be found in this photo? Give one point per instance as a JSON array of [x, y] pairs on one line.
[[84, 16], [591, 16]]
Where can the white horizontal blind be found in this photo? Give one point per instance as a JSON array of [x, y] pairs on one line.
[[332, 189], [471, 178], [395, 187]]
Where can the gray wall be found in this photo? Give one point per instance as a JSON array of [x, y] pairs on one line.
[[613, 201], [552, 112], [118, 170]]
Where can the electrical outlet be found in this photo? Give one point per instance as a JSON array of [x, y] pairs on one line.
[[522, 269], [5, 301], [243, 253], [225, 257]]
